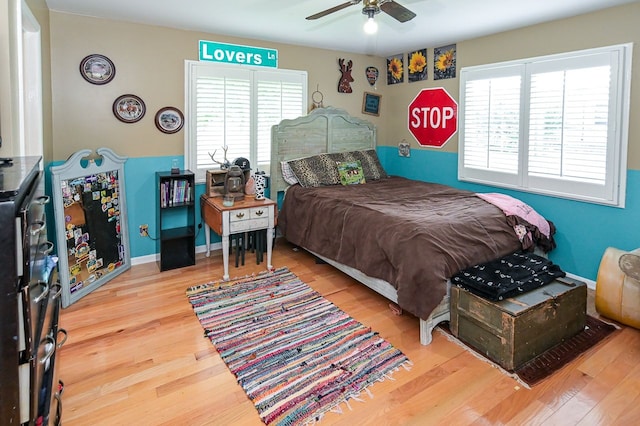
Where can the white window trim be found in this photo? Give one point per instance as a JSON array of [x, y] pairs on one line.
[[617, 160]]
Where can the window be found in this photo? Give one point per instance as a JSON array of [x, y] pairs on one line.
[[235, 107], [555, 125]]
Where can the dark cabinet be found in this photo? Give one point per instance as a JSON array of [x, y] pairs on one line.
[[176, 219], [29, 299]]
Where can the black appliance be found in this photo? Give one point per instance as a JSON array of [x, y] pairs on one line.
[[29, 299]]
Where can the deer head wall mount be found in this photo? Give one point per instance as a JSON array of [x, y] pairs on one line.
[[344, 86]]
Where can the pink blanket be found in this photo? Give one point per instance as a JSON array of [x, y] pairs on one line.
[[514, 207]]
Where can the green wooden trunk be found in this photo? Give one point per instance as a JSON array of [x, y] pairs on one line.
[[515, 330]]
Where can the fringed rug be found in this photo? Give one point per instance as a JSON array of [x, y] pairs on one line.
[[295, 354]]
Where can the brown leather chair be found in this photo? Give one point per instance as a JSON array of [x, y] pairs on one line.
[[618, 286]]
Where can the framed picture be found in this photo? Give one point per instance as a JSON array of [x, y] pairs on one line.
[[371, 103], [97, 69], [129, 108], [395, 69], [169, 120], [417, 65], [444, 62]]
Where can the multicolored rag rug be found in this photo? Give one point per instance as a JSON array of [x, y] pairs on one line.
[[295, 354]]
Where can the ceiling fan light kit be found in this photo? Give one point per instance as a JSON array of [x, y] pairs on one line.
[[372, 8], [371, 26]]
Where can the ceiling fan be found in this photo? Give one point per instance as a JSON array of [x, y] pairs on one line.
[[371, 8]]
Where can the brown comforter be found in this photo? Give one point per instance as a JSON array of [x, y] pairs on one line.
[[414, 235]]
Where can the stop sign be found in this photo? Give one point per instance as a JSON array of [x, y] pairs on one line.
[[433, 117]]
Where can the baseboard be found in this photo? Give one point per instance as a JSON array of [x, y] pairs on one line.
[[144, 259], [139, 260], [590, 284], [218, 246]]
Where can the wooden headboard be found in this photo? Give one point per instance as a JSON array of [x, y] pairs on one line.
[[322, 130]]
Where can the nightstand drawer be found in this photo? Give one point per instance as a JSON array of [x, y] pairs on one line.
[[249, 214], [239, 215], [259, 212], [248, 225]]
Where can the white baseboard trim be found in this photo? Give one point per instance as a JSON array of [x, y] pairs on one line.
[[155, 257], [590, 284], [144, 259], [218, 246]]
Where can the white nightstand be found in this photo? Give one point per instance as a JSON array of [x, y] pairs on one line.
[[244, 216]]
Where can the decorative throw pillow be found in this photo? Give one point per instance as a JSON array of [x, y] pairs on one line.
[[371, 166], [351, 172], [287, 173], [317, 170]]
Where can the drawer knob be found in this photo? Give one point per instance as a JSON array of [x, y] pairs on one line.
[[259, 213], [240, 215]]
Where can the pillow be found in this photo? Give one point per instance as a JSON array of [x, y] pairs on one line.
[[351, 172], [287, 173], [317, 170], [371, 166]]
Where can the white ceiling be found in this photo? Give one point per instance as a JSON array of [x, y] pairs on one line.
[[438, 22]]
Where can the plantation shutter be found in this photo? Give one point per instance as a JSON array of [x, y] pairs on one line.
[[555, 125], [569, 132], [491, 130], [222, 116], [236, 107], [280, 96]]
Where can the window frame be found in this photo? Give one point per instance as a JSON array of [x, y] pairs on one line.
[[614, 189], [190, 126]]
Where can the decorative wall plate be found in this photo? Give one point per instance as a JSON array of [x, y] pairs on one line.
[[169, 120], [97, 69], [372, 75], [129, 108]]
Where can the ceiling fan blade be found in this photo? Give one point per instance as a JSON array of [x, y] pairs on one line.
[[333, 9], [397, 11]]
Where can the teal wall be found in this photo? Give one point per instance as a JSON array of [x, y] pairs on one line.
[[140, 188], [142, 202], [584, 230]]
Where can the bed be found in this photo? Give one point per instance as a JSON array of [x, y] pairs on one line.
[[402, 238]]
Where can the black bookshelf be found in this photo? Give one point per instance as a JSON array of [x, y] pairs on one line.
[[175, 213]]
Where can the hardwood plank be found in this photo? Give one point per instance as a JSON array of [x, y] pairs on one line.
[[476, 406], [608, 377], [616, 403], [136, 354]]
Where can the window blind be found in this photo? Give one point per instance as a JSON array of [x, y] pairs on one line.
[[553, 125], [234, 107]]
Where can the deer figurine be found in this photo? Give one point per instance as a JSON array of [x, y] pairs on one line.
[[344, 86]]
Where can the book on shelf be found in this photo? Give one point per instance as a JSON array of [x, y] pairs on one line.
[[176, 192]]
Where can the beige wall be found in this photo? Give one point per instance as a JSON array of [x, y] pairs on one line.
[[149, 63], [611, 26]]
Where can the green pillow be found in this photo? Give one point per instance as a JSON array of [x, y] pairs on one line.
[[350, 172]]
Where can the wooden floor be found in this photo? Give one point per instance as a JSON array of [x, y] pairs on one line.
[[136, 355]]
